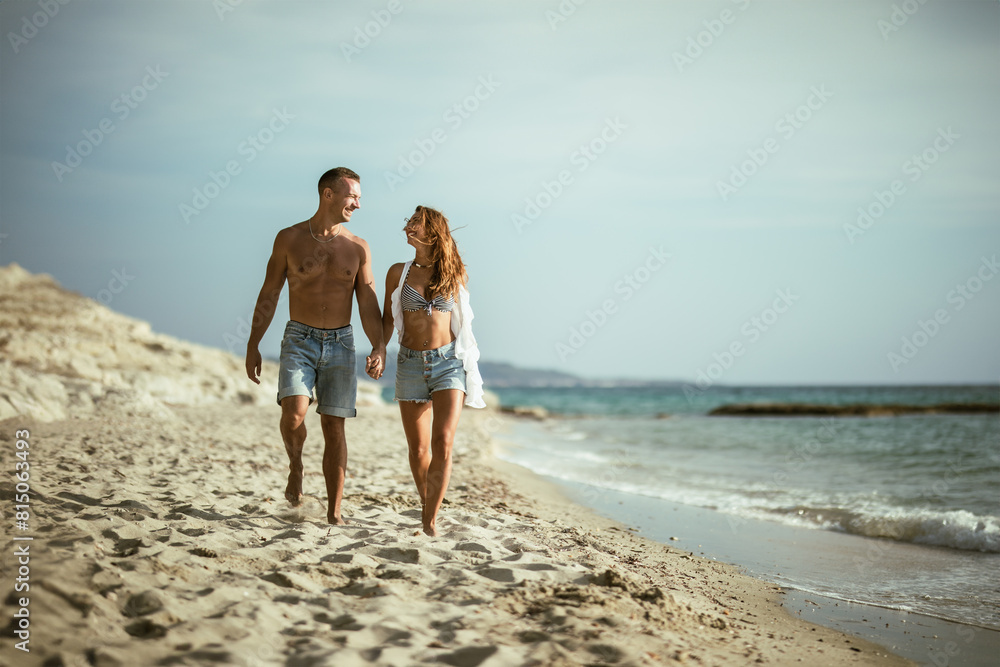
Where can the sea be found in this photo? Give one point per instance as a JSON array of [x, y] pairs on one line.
[[896, 512]]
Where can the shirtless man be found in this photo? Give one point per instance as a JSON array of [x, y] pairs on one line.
[[326, 267]]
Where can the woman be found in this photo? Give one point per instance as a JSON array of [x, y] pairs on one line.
[[437, 366]]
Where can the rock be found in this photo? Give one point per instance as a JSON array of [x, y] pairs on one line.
[[143, 603], [854, 410], [145, 628], [531, 411]]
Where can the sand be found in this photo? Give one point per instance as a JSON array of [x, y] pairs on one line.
[[160, 537]]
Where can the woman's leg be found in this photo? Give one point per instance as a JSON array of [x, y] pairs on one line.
[[447, 409], [417, 427]]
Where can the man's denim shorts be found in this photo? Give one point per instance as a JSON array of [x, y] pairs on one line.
[[419, 373], [320, 359]]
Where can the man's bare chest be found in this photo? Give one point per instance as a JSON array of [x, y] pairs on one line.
[[313, 261]]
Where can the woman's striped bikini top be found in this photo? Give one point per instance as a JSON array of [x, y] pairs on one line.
[[411, 301]]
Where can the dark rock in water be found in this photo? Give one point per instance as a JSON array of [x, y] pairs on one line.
[[532, 411], [854, 410]]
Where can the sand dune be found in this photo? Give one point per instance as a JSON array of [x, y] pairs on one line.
[[62, 354], [160, 535]]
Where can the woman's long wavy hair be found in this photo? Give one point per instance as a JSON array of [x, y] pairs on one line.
[[449, 271]]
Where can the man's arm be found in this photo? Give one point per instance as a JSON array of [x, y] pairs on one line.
[[391, 281], [267, 303], [371, 316]]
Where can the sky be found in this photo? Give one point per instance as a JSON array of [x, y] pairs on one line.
[[725, 191]]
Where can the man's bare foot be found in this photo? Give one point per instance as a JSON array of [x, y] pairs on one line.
[[293, 491]]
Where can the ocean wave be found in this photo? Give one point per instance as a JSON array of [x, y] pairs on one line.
[[958, 529], [890, 515]]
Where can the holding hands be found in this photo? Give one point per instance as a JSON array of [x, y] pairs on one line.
[[375, 363]]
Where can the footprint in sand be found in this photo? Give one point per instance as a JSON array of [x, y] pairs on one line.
[[471, 546]]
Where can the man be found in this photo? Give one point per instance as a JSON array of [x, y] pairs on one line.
[[326, 266]]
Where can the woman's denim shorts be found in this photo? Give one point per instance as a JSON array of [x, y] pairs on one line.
[[419, 373]]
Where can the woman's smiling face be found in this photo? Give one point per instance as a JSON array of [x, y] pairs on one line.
[[414, 229]]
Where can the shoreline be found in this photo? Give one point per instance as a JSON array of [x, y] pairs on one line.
[[784, 599], [923, 638], [166, 540], [557, 501]]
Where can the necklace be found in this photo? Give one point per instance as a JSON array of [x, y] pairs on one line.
[[422, 266], [318, 240]]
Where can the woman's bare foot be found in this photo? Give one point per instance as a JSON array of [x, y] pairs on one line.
[[429, 524], [336, 520]]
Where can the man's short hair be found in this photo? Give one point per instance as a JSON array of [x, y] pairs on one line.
[[330, 178]]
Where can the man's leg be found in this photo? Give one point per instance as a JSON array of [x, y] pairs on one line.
[[293, 432], [336, 394], [334, 465]]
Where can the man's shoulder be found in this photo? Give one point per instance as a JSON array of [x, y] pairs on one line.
[[354, 238], [296, 229], [291, 232]]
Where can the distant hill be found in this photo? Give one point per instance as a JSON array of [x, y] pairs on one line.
[[495, 374], [498, 374]]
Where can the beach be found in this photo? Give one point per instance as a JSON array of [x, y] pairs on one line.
[[156, 533], [168, 542]]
